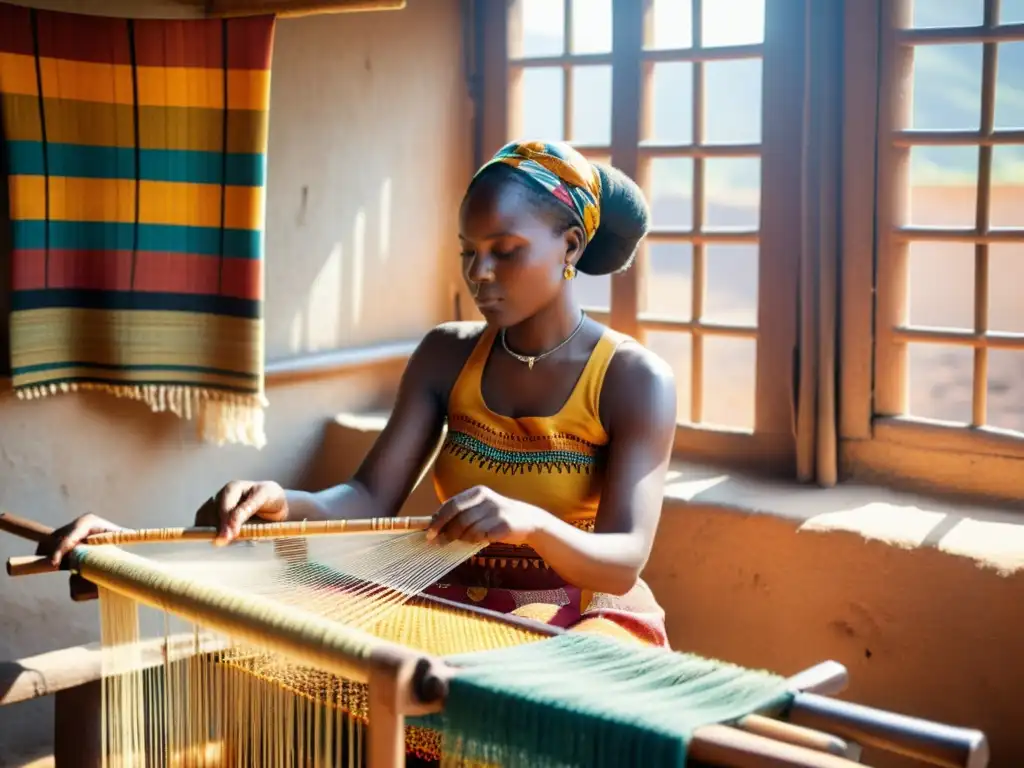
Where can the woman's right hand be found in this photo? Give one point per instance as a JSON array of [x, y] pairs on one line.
[[237, 502], [67, 537]]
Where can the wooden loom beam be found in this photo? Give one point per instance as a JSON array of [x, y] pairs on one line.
[[30, 565], [412, 683]]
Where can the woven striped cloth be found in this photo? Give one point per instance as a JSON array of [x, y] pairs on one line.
[[135, 153]]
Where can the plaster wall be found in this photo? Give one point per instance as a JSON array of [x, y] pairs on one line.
[[357, 214]]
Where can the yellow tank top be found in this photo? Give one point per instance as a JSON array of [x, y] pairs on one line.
[[552, 462]]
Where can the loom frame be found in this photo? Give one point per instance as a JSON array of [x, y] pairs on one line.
[[403, 682]]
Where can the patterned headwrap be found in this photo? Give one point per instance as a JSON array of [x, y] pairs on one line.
[[562, 171]]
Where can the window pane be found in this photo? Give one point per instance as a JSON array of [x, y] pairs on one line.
[[732, 102], [543, 28], [1005, 278], [1006, 389], [947, 87], [733, 22], [671, 192], [594, 291], [729, 375], [592, 105], [672, 24], [1011, 12], [941, 382], [730, 297], [542, 90], [591, 26], [941, 277], [943, 186], [732, 192], [949, 13], [668, 281], [675, 349], [672, 83], [1006, 197], [1010, 85]]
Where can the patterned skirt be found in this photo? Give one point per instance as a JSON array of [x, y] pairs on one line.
[[515, 580]]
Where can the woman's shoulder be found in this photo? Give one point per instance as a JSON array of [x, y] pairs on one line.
[[639, 383], [455, 340], [442, 353]]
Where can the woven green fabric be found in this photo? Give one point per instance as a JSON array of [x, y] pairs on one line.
[[586, 700]]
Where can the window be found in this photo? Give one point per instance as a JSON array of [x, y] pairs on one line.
[[945, 403], [692, 99]]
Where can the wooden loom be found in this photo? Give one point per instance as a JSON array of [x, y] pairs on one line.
[[388, 681]]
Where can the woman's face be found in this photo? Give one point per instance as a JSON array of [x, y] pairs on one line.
[[513, 255]]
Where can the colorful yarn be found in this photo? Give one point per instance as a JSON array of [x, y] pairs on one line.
[[595, 701]]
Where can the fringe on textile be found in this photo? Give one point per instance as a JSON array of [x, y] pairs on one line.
[[220, 417]]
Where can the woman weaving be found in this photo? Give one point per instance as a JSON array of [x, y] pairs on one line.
[[559, 430]]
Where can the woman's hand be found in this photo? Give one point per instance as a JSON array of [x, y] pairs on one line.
[[480, 514], [237, 502], [66, 538]]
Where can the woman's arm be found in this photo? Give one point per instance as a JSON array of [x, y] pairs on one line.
[[638, 402], [393, 466], [381, 484]]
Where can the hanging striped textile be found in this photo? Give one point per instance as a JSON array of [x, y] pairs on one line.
[[136, 156]]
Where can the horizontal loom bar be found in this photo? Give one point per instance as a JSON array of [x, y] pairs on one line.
[[33, 564], [26, 529]]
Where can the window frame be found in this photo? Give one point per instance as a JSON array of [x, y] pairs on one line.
[[771, 446], [879, 442]]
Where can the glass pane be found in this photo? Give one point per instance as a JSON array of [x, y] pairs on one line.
[[603, 159], [947, 87], [671, 195], [731, 294], [732, 192], [1011, 12], [732, 102], [941, 382], [592, 105], [948, 13], [543, 26], [672, 24], [675, 349], [1005, 278], [943, 186], [672, 83], [1006, 389], [594, 291], [1010, 85], [591, 26], [542, 90], [733, 22], [668, 281], [730, 370], [941, 277], [1006, 193]]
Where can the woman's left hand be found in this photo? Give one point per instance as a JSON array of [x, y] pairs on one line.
[[480, 514]]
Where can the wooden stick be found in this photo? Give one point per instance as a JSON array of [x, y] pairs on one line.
[[257, 530], [31, 565], [932, 743], [56, 671], [26, 529], [721, 745]]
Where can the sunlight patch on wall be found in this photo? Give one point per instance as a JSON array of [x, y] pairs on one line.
[[384, 222], [323, 320], [358, 264]]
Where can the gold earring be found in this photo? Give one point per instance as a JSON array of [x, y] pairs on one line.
[[569, 272]]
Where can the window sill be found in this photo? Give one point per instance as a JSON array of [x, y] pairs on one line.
[[988, 534]]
